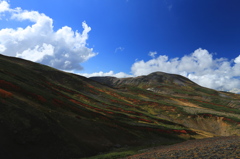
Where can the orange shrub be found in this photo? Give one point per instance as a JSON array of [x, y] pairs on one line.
[[5, 94]]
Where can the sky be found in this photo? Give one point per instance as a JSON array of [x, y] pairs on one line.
[[198, 39]]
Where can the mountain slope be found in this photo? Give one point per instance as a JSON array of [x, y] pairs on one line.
[[201, 109], [48, 113]]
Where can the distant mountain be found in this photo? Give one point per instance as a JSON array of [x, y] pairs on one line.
[[153, 79], [47, 113]]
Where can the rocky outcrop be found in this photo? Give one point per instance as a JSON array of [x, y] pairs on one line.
[[219, 126]]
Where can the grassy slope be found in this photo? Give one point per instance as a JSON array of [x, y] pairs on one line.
[[80, 117]]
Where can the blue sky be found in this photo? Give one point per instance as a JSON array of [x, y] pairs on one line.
[[198, 39]]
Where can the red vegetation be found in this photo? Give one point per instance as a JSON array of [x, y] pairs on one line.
[[90, 86], [8, 85], [210, 103], [93, 92], [5, 94], [57, 102], [183, 100], [39, 98], [125, 111], [34, 96], [59, 88], [230, 120]]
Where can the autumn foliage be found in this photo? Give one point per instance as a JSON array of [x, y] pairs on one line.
[[8, 85], [5, 94]]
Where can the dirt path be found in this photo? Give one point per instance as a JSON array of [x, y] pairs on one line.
[[217, 147]]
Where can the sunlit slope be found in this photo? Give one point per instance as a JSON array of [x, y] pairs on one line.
[[176, 98]]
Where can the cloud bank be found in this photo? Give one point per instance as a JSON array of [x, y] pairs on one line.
[[63, 49], [110, 73], [199, 66]]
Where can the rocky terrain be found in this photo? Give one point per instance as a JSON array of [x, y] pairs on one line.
[[47, 113], [217, 147]]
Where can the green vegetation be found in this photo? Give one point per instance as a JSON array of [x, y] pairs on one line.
[[216, 107], [80, 117]]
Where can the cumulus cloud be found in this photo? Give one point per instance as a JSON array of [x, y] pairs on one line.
[[37, 53], [237, 59], [200, 66], [4, 6], [110, 73], [63, 49]]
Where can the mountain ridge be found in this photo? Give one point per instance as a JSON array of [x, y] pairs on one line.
[[150, 79]]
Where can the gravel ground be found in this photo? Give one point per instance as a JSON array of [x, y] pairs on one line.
[[210, 148]]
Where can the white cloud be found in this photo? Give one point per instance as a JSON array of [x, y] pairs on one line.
[[152, 54], [200, 66], [235, 90], [63, 49], [2, 48], [237, 59], [4, 6], [110, 73], [37, 53]]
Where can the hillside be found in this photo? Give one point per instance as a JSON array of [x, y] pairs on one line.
[[188, 104], [47, 113]]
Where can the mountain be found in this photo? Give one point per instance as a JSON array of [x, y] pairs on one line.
[[47, 113], [153, 79]]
